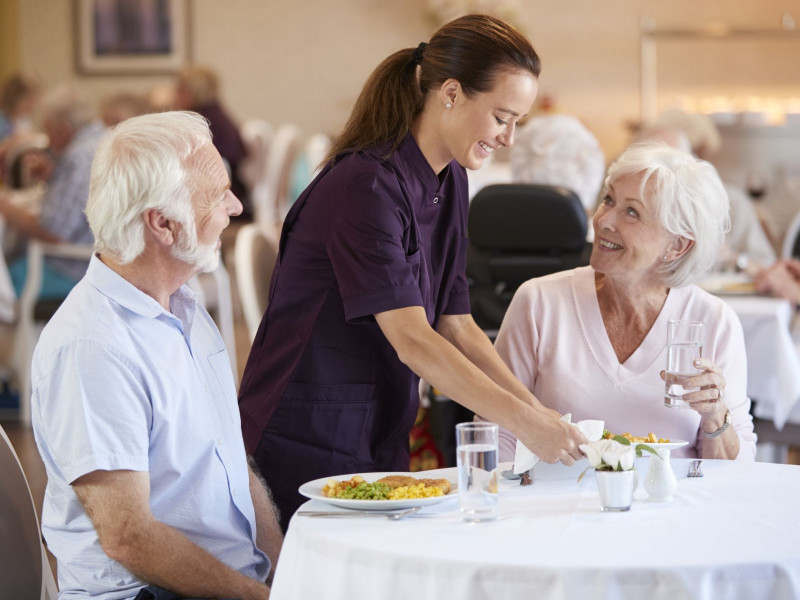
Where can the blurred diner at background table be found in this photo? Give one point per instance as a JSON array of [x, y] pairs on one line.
[[730, 534]]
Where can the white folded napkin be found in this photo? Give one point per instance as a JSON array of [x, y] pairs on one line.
[[524, 459]]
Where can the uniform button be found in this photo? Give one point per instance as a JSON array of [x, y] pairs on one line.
[[436, 200]]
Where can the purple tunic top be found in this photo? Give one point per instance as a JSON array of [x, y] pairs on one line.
[[324, 392]]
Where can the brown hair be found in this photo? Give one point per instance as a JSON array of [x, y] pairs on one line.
[[470, 49], [15, 89]]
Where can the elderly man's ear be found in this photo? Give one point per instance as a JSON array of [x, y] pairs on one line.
[[162, 230]]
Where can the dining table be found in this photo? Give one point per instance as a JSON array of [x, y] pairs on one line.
[[773, 361], [733, 533]]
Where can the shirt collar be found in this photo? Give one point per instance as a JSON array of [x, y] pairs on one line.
[[111, 284], [419, 165]]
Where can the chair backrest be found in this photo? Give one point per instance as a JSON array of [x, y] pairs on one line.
[[288, 144], [257, 135], [32, 311], [273, 202], [255, 253], [317, 146], [24, 567], [517, 232]]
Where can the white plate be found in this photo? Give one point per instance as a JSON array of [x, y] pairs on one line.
[[313, 490], [663, 445], [729, 284]]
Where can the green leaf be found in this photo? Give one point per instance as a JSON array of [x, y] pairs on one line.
[[640, 447], [583, 473], [622, 440]]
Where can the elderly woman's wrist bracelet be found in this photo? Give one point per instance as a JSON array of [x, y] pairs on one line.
[[721, 430]]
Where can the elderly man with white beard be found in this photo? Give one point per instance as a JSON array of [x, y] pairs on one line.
[[149, 492]]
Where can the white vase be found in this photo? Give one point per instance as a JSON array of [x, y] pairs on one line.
[[660, 481], [616, 489]]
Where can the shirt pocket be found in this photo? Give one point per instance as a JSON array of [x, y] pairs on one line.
[[323, 424]]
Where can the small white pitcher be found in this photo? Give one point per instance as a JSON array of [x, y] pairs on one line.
[[660, 481]]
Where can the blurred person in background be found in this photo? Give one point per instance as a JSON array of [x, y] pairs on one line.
[[120, 106], [161, 98], [559, 150], [747, 245], [18, 98], [68, 118], [197, 89]]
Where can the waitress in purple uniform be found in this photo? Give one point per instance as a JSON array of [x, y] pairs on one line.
[[369, 292]]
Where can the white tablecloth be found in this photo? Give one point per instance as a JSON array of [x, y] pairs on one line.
[[773, 364], [733, 534]]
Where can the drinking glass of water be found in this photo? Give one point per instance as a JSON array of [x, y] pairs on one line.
[[476, 457], [684, 346]]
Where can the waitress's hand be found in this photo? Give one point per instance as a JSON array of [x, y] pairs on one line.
[[554, 440], [709, 400]]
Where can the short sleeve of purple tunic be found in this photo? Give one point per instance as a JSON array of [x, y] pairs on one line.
[[398, 237]]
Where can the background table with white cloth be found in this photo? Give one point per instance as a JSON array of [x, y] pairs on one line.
[[732, 534], [773, 362]]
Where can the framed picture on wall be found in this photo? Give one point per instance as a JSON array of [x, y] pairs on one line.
[[116, 37]]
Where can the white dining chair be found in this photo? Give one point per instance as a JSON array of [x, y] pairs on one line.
[[256, 251], [24, 567], [33, 313], [257, 135], [316, 148], [273, 202]]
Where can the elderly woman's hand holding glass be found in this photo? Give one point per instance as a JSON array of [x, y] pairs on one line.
[[591, 341]]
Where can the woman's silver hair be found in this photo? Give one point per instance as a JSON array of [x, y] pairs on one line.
[[142, 164], [690, 201]]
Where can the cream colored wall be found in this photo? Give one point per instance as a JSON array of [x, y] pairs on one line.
[[9, 38], [306, 61]]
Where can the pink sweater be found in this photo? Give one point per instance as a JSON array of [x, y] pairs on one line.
[[554, 340]]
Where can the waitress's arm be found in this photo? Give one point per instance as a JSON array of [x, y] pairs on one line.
[[442, 364], [472, 342]]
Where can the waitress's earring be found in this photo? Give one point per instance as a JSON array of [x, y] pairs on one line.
[[664, 257], [448, 105]]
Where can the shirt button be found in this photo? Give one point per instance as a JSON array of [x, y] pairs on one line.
[[436, 200]]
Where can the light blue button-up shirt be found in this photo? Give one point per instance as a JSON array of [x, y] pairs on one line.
[[120, 383]]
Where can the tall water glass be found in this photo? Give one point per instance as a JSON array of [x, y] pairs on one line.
[[684, 346], [476, 457]]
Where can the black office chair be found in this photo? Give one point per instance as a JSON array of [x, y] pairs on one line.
[[517, 232]]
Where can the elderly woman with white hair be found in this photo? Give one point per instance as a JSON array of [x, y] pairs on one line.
[[592, 341], [559, 150]]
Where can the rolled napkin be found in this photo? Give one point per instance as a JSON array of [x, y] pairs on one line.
[[524, 459]]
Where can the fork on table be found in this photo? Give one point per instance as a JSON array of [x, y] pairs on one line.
[[694, 469], [392, 516]]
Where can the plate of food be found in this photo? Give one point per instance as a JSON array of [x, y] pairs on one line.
[[379, 491], [729, 284], [650, 439]]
